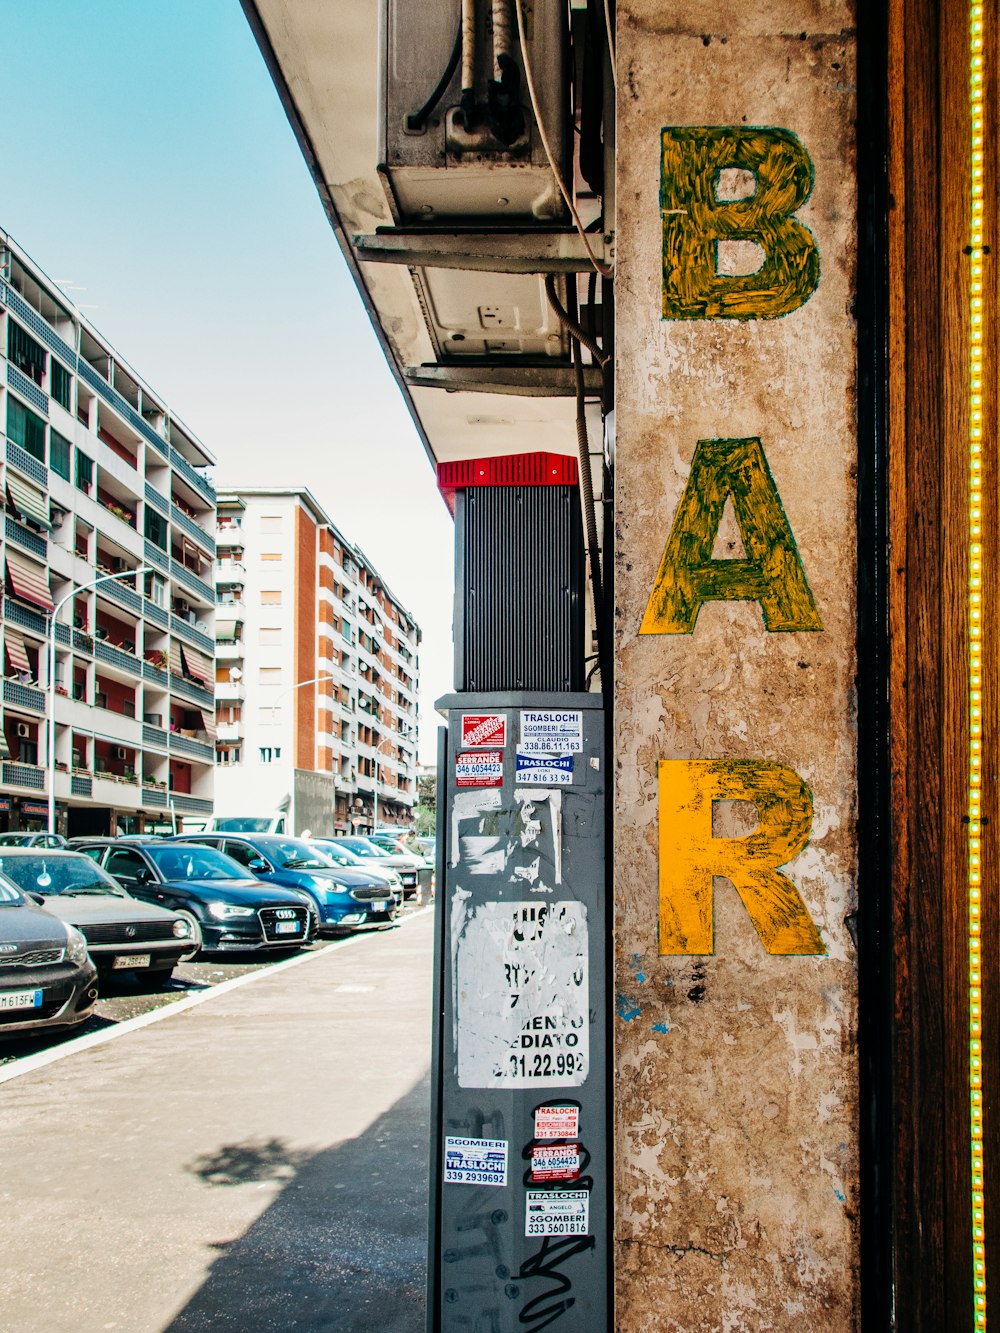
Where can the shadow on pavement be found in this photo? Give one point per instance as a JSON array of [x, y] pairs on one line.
[[343, 1247]]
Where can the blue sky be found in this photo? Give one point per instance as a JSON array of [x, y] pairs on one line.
[[147, 162]]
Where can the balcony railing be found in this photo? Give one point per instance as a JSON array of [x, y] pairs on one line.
[[117, 657], [24, 775], [121, 405], [190, 690], [29, 315], [17, 532], [157, 500], [23, 696], [188, 745], [122, 514], [155, 613], [154, 735], [27, 388], [192, 805], [193, 476], [188, 576], [28, 464], [23, 616], [155, 556], [184, 521], [180, 626], [120, 591], [80, 785], [154, 796], [155, 674]]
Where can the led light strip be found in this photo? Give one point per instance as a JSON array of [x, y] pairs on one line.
[[975, 660]]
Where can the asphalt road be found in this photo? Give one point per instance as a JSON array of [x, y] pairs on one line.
[[256, 1161]]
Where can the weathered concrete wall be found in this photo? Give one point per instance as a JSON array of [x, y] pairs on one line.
[[736, 1083]]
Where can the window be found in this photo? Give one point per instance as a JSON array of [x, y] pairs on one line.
[[228, 757], [241, 852], [270, 598], [270, 675], [156, 588], [62, 385], [270, 522], [268, 753], [270, 555], [84, 470], [25, 429], [156, 525], [27, 355], [270, 636], [123, 864], [59, 450]]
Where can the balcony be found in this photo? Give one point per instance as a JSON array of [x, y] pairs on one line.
[[189, 690], [26, 618], [191, 805], [22, 536], [27, 389], [154, 555], [154, 736], [180, 744], [27, 463], [117, 657], [230, 731], [193, 477], [120, 512], [186, 630], [121, 405], [188, 576], [188, 525], [229, 650], [155, 674], [154, 796], [230, 691], [23, 775], [158, 501], [30, 317], [23, 696]]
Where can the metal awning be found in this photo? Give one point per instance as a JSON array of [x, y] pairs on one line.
[[226, 629], [30, 581], [198, 667], [4, 747], [208, 717], [28, 500], [174, 657], [14, 644]]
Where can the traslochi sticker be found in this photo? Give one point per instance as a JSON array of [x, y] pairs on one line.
[[557, 1122], [475, 1161], [484, 729], [549, 770], [480, 768], [557, 1213], [550, 1161], [549, 731]]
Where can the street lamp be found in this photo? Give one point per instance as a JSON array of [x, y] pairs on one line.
[[290, 689], [50, 684], [386, 737]]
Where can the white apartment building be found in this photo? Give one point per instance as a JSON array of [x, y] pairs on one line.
[[316, 671], [99, 477]]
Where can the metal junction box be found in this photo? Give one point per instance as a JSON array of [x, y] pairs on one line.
[[453, 164], [520, 1206]]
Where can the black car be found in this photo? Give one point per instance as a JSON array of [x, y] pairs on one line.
[[47, 980], [122, 933], [226, 907]]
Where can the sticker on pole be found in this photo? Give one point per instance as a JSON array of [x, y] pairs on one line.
[[557, 1122], [557, 1213], [549, 731], [480, 768], [475, 1161], [521, 978], [554, 1162], [484, 729], [549, 770]]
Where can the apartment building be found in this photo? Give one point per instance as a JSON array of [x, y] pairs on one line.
[[100, 478], [316, 670]]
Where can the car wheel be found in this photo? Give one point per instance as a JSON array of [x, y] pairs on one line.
[[196, 938]]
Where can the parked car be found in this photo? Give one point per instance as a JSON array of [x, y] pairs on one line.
[[412, 870], [47, 979], [32, 840], [227, 908], [342, 856], [344, 897], [247, 824], [123, 934]]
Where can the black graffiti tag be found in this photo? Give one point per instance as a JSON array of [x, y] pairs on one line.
[[538, 1313]]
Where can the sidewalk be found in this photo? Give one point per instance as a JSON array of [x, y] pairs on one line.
[[256, 1163]]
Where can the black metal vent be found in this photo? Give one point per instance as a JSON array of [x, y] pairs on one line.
[[519, 589]]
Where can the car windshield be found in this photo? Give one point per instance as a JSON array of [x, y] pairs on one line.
[[296, 854], [193, 862], [241, 825], [71, 876], [363, 848], [13, 839], [337, 852]]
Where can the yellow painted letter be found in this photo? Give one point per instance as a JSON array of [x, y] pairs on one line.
[[690, 856]]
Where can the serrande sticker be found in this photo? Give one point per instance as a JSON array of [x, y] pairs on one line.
[[549, 770], [475, 1161], [557, 1122], [484, 729], [549, 731], [555, 1162], [481, 768], [557, 1213]]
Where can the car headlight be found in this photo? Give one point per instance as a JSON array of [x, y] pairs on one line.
[[76, 946], [222, 910], [182, 929]]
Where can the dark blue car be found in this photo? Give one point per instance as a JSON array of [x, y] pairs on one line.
[[345, 899]]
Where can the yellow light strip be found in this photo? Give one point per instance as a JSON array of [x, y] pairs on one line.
[[976, 88]]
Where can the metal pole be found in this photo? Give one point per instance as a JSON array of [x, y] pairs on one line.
[[50, 684]]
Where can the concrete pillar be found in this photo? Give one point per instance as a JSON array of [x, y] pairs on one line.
[[736, 978]]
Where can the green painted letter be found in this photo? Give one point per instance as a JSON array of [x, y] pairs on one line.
[[772, 573], [695, 220]]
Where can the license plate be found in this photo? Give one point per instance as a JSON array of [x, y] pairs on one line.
[[125, 960], [20, 999], [378, 907], [287, 928]]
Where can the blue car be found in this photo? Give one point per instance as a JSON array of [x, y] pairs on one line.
[[345, 899]]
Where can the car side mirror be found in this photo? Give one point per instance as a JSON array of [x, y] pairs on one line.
[[36, 898], [143, 876], [258, 866]]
